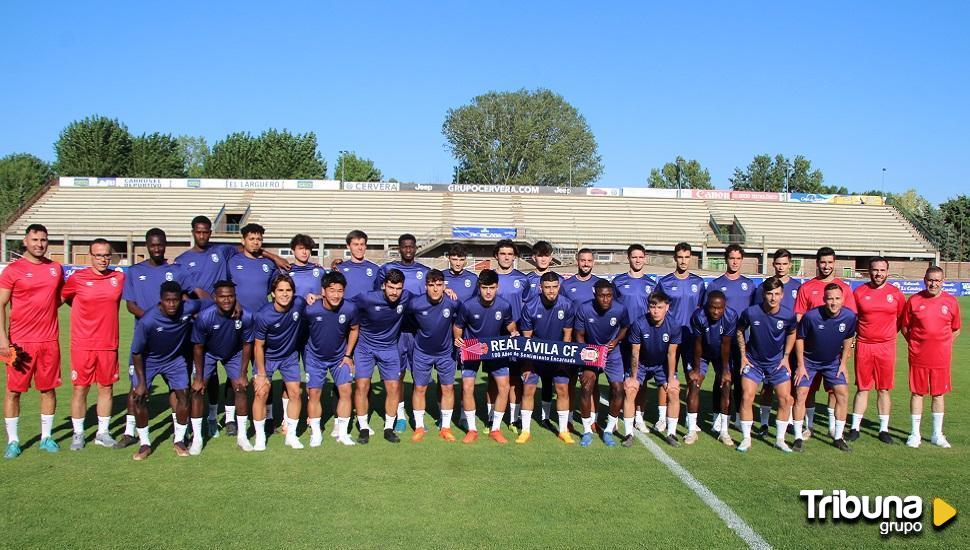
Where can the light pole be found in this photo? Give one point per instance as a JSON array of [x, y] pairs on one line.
[[343, 165], [882, 188]]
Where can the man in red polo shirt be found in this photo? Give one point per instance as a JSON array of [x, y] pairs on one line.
[[810, 296], [931, 322], [880, 314], [32, 287], [94, 295]]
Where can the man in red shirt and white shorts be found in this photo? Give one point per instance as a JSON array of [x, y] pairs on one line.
[[880, 314], [32, 287], [94, 295], [931, 322]]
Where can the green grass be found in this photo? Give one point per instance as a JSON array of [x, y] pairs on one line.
[[438, 495]]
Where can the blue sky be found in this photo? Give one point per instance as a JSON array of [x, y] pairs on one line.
[[855, 87]]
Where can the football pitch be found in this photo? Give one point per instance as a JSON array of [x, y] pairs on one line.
[[448, 495]]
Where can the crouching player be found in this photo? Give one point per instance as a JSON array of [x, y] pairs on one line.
[[713, 328], [218, 338], [654, 340], [332, 329], [822, 348], [764, 358], [161, 347]]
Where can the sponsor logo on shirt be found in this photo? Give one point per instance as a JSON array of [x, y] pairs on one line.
[[158, 329], [89, 283], [191, 264], [140, 277], [216, 327], [239, 267], [756, 323]]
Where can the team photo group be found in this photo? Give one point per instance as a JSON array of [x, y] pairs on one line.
[[237, 308]]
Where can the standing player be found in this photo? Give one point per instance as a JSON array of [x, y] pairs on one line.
[[765, 358], [306, 276], [579, 287], [277, 336], [822, 348], [381, 315], [686, 293], [602, 321], [654, 340], [464, 283], [551, 317], [94, 295], [512, 286], [931, 323], [161, 346], [332, 331], [812, 295], [542, 257], [218, 338], [632, 289], [32, 287], [360, 273], [433, 314], [713, 330], [880, 315], [484, 316]]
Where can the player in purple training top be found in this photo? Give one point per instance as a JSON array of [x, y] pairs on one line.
[[381, 315], [713, 331], [579, 287], [219, 338], [360, 273], [306, 276], [332, 330], [542, 258], [549, 317], [823, 347], [484, 316], [277, 337], [654, 340], [512, 286], [433, 314], [161, 346], [464, 283], [602, 321], [764, 357]]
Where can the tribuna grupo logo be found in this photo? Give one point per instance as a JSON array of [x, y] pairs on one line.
[[900, 515]]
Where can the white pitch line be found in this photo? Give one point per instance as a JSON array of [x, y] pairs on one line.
[[729, 516]]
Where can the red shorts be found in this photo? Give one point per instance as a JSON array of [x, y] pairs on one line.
[[43, 365], [89, 366], [924, 381], [875, 365]]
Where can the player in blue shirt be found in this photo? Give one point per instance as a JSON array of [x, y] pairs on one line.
[[463, 282], [306, 276], [331, 330], [140, 292], [654, 340], [219, 338], [277, 337], [632, 290], [360, 273], [823, 347], [713, 329], [251, 270], [484, 316], [686, 292], [512, 286], [603, 321], [381, 315], [764, 357], [579, 287], [161, 346], [550, 317], [542, 258], [433, 315]]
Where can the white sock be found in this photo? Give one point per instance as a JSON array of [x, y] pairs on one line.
[[546, 410], [401, 413], [362, 422], [213, 411], [810, 417], [563, 421], [260, 427], [513, 412], [782, 427], [765, 411], [342, 425], [526, 420], [418, 418], [12, 423], [638, 415], [937, 424], [798, 428], [856, 421], [46, 423], [588, 425], [883, 422], [627, 426], [130, 425], [446, 418], [286, 408], [915, 418], [197, 428], [230, 414], [488, 411], [725, 424], [143, 438], [470, 420], [746, 429], [174, 419], [388, 422], [103, 424], [661, 412], [180, 432], [839, 428], [314, 427], [497, 420], [691, 422], [671, 425], [831, 419], [291, 427], [78, 424], [242, 426], [716, 423], [610, 424]]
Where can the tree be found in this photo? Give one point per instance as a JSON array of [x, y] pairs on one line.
[[194, 152], [350, 167], [522, 138], [94, 146], [769, 174], [155, 156], [956, 217], [20, 175], [272, 155], [680, 174]]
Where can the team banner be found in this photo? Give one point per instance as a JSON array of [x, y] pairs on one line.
[[548, 351], [490, 233]]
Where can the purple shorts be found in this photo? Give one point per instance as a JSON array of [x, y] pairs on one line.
[[559, 373], [317, 369], [443, 363], [388, 361], [175, 374], [499, 367], [614, 367], [770, 374], [288, 366], [829, 373], [657, 372], [233, 366]]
